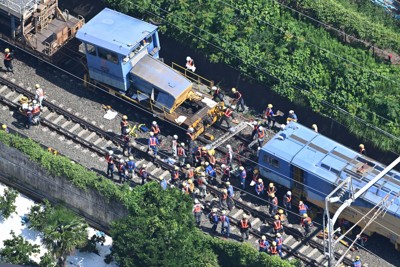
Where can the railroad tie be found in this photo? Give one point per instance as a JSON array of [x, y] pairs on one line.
[[9, 94], [90, 136], [311, 254], [165, 173], [82, 132], [49, 115], [320, 258], [74, 128], [65, 124], [15, 100], [303, 248], [3, 88], [294, 245], [98, 140], [153, 172], [58, 119], [237, 214], [287, 239]]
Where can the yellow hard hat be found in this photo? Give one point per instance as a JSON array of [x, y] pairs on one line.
[[7, 50], [270, 106], [272, 195], [357, 257], [4, 126], [124, 117], [225, 191], [260, 180], [204, 148], [188, 165], [228, 183], [176, 168], [361, 145], [276, 217], [161, 178], [271, 184], [255, 171], [305, 215], [190, 181], [280, 211], [151, 134], [37, 86], [234, 90]]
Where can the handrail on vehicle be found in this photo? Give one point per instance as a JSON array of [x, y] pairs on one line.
[[192, 76]]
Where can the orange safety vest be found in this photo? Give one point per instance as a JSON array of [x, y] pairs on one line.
[[142, 171], [109, 159], [261, 134], [36, 109], [275, 201], [271, 190], [124, 123], [181, 151], [282, 217], [302, 207], [280, 241], [190, 173], [7, 56], [224, 196], [273, 250], [153, 141], [200, 181], [155, 129], [238, 95], [227, 171], [268, 112], [212, 160], [277, 224], [176, 174], [121, 167], [197, 208], [228, 113], [262, 244], [244, 224], [288, 199], [307, 221]]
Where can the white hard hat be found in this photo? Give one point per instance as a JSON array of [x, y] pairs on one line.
[[37, 85], [154, 123], [264, 237], [30, 108], [188, 58], [175, 137], [261, 128], [121, 160], [182, 144], [241, 168], [224, 212], [214, 210], [144, 166], [228, 183], [110, 152], [291, 112], [151, 133], [176, 168], [196, 201], [234, 90], [255, 122], [34, 102], [207, 163], [289, 193], [191, 130], [278, 235], [233, 107], [223, 166], [214, 88], [228, 146], [131, 158]]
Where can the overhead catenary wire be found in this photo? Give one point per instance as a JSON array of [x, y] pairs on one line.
[[129, 101]]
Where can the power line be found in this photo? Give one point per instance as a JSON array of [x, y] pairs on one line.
[[269, 74]]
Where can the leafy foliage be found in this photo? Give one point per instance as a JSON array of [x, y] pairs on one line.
[[7, 206], [295, 58], [17, 250], [47, 260]]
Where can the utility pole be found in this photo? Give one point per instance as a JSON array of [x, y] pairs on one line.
[[335, 196]]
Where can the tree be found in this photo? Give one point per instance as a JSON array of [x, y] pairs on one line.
[[160, 233], [47, 260], [7, 201], [17, 250], [63, 231]]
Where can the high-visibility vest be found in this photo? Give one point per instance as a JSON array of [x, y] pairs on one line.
[[261, 134], [121, 167], [244, 224], [124, 123], [279, 241], [273, 250], [142, 172], [212, 160], [282, 217], [190, 173], [153, 141], [307, 221], [224, 196], [109, 159], [36, 109], [155, 129], [228, 113], [200, 181], [8, 56], [262, 243], [287, 199], [271, 190], [275, 201], [268, 112], [197, 208], [357, 263], [181, 151], [40, 92], [176, 175], [277, 224], [227, 171], [302, 207], [260, 187], [222, 218], [238, 95]]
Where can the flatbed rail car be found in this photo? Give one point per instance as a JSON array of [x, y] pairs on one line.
[[37, 25], [122, 55], [312, 165]]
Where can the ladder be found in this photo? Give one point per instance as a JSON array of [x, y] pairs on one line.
[[226, 136]]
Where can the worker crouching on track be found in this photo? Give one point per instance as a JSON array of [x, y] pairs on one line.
[[153, 143]]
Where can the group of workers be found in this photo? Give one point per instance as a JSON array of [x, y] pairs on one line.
[[32, 108]]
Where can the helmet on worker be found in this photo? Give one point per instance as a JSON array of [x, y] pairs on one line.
[[270, 106], [124, 117], [234, 90], [151, 133], [7, 50], [175, 137], [289, 193], [37, 86], [305, 215], [154, 123]]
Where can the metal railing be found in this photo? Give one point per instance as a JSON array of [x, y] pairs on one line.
[[192, 76]]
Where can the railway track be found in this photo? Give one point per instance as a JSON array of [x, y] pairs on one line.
[[97, 140]]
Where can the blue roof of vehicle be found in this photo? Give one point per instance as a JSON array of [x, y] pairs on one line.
[[332, 162], [115, 31]]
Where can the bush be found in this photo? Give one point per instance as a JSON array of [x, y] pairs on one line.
[[7, 206], [17, 250]]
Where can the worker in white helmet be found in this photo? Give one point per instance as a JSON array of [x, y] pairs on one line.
[[229, 155], [218, 96], [8, 58], [181, 154], [155, 129], [153, 143], [39, 94], [110, 164], [291, 117], [174, 146], [287, 201], [260, 136], [190, 64]]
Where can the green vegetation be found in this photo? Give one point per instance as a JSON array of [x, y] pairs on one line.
[[360, 18], [62, 230], [17, 250], [272, 45], [7, 206], [165, 218]]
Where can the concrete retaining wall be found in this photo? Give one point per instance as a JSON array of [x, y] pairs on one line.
[[17, 171]]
